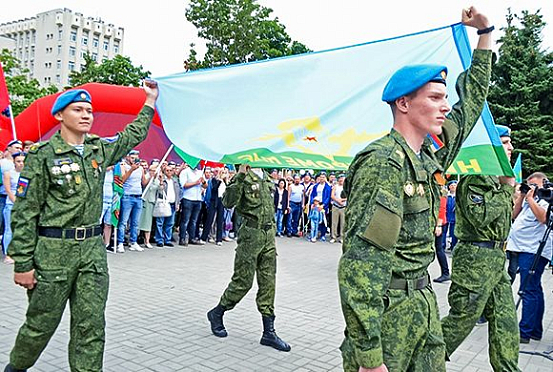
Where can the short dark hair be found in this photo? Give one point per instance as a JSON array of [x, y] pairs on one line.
[[539, 175]]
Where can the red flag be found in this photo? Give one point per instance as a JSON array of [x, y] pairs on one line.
[[6, 134]]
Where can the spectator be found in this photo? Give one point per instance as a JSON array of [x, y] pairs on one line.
[[171, 189], [316, 218], [134, 178], [321, 192], [105, 217], [530, 213], [10, 180], [6, 165], [148, 202], [192, 182], [215, 208], [275, 177], [338, 210], [27, 145], [439, 242], [295, 192], [281, 205], [449, 225]]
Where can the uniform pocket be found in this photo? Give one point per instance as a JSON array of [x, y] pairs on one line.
[[385, 223], [50, 292]]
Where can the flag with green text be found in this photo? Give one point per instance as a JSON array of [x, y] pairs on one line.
[[315, 110]]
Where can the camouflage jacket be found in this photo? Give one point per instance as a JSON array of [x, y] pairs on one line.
[[253, 197], [393, 202], [484, 209], [60, 188]]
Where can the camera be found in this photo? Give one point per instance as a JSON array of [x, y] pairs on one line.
[[546, 192], [524, 187], [137, 161]]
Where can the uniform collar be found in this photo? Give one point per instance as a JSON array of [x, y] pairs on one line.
[[424, 164]]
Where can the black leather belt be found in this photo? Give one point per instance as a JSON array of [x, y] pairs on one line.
[[406, 284], [489, 244], [255, 225], [78, 233]]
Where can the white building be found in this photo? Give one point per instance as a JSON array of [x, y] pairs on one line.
[[54, 43]]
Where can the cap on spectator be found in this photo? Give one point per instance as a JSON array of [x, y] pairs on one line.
[[503, 131], [451, 182], [154, 161], [68, 97], [171, 163], [13, 142], [134, 152], [410, 78]]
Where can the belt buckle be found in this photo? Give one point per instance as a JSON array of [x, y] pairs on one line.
[[78, 232]]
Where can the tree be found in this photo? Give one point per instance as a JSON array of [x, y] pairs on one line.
[[22, 90], [521, 94], [117, 71], [238, 31]]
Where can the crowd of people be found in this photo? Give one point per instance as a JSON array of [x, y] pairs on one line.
[[306, 204]]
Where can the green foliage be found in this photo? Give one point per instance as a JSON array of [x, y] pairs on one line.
[[521, 95], [117, 71], [237, 31], [22, 90]]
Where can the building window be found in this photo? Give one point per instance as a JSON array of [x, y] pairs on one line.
[[106, 45], [83, 67], [58, 79], [72, 51], [85, 40], [95, 42], [59, 50], [58, 65], [95, 57], [60, 34], [71, 66], [116, 49], [73, 36], [33, 37]]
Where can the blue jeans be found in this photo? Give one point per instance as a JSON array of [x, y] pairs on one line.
[[190, 210], [7, 212], [440, 254], [279, 215], [164, 227], [294, 217], [131, 208], [449, 226], [533, 304], [215, 212]]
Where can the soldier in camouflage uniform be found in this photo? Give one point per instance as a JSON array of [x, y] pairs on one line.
[[57, 244], [251, 193], [479, 281], [393, 191]]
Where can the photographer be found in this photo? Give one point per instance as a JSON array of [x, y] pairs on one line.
[[530, 214]]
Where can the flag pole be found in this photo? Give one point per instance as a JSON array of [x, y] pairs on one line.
[[157, 170], [13, 122]]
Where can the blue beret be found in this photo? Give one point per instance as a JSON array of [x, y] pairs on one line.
[[134, 152], [410, 78], [68, 97], [451, 182], [503, 131]]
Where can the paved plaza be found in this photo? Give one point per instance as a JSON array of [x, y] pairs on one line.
[[158, 300]]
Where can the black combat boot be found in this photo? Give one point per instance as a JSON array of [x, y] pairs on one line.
[[270, 337], [10, 368], [215, 317]]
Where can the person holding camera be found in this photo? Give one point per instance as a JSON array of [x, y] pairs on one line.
[[134, 177], [530, 215], [479, 282]]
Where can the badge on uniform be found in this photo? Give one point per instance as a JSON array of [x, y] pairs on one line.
[[409, 189], [63, 161], [255, 187], [477, 199], [420, 189], [22, 187]]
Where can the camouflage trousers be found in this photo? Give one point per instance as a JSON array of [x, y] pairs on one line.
[[66, 270], [480, 285], [255, 255], [411, 334]]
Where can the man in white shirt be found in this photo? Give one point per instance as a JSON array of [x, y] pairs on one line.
[[192, 181], [530, 213]]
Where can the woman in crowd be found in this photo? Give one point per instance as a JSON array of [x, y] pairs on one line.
[[281, 205], [10, 180], [148, 201]]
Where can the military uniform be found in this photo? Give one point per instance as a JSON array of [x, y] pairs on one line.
[[55, 232], [256, 251], [393, 196], [480, 283], [253, 199]]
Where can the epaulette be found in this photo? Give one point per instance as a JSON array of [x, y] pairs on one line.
[[396, 156], [34, 148]]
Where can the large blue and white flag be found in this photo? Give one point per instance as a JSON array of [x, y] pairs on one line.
[[315, 110]]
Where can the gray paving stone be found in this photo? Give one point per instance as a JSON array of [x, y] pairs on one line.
[[156, 315]]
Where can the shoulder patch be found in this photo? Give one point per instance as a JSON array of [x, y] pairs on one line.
[[476, 199], [22, 187], [34, 148], [397, 156]]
